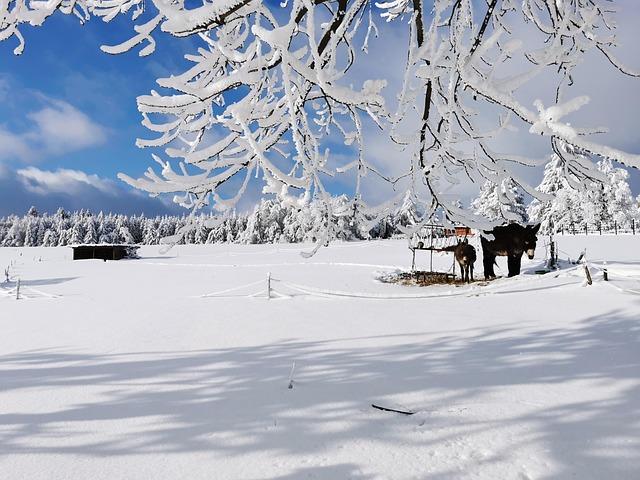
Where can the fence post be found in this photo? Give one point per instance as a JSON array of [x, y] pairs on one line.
[[268, 285], [605, 273], [18, 290], [615, 226], [633, 225], [586, 232], [600, 227], [587, 273]]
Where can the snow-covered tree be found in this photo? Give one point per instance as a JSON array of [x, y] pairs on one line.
[[487, 204], [500, 202], [512, 202], [77, 231], [548, 212], [91, 233], [272, 80], [619, 200], [407, 215]]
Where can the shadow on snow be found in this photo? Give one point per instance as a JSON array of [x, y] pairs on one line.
[[234, 400]]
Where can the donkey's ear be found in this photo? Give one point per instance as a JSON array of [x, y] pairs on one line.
[[535, 228]]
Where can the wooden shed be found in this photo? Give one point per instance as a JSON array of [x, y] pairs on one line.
[[104, 252]]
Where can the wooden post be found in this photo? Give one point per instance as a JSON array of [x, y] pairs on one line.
[[587, 274], [552, 253], [600, 227], [18, 290], [431, 252], [605, 273], [633, 225], [615, 227], [268, 285], [293, 367], [413, 260], [586, 232]]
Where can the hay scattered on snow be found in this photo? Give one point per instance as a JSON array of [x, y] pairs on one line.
[[421, 278]]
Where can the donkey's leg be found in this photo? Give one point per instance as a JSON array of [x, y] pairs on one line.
[[471, 271], [488, 260], [518, 263], [514, 265]]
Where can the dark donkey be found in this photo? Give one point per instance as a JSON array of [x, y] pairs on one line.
[[465, 256], [509, 241]]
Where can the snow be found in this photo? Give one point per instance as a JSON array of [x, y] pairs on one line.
[[120, 369]]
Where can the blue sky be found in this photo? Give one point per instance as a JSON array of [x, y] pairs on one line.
[[68, 117], [66, 106]]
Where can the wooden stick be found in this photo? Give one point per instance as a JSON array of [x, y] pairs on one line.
[[385, 409], [293, 367], [587, 274]]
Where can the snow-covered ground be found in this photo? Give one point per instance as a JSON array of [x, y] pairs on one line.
[[129, 370]]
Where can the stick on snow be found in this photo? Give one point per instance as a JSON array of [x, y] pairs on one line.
[[385, 409], [293, 367]]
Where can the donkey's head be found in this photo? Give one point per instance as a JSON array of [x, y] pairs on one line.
[[529, 239]]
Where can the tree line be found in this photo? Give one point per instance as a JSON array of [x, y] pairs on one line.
[[604, 205], [270, 222]]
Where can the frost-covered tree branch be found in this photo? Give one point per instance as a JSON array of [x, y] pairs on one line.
[[268, 93]]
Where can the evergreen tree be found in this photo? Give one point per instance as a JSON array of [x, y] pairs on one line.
[[407, 214], [553, 181], [619, 200], [77, 230], [91, 232], [487, 204], [512, 202]]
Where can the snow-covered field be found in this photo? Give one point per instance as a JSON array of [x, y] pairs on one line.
[[113, 370]]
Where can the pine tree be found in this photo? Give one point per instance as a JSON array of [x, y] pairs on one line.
[[77, 230], [512, 202], [91, 232], [487, 203], [407, 214], [553, 182], [150, 232], [619, 200]]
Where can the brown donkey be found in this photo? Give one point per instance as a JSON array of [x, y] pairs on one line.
[[465, 256]]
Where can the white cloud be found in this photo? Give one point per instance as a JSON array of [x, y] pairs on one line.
[[63, 180], [56, 129], [61, 127], [13, 146]]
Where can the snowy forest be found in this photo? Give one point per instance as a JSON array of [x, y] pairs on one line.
[[605, 206]]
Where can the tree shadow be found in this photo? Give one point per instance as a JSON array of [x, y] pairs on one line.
[[235, 400], [41, 282]]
